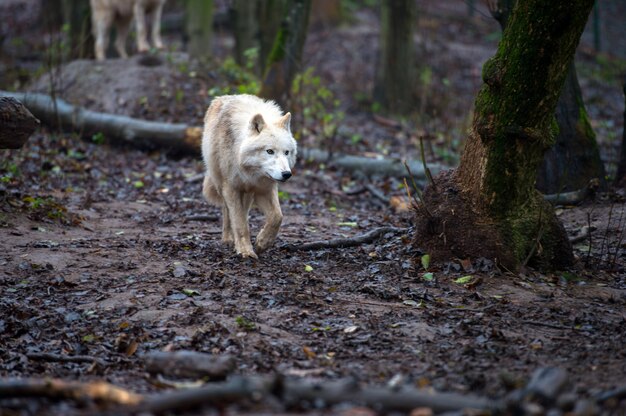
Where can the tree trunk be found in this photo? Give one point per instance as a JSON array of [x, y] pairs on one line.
[[286, 56], [489, 207], [199, 27], [575, 158], [16, 123], [245, 28], [620, 177], [270, 14], [77, 15], [396, 72]]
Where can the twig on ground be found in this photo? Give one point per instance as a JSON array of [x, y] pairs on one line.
[[546, 324], [482, 309], [46, 356], [202, 217], [376, 193], [345, 242]]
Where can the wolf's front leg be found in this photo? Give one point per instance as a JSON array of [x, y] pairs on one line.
[[140, 20], [270, 206], [238, 206], [227, 231]]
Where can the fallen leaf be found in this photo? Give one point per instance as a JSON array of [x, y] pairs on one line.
[[428, 276], [191, 292], [310, 354], [463, 280], [350, 329], [426, 261], [308, 268]]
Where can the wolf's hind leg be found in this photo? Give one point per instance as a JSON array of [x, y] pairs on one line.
[[270, 206], [238, 204]]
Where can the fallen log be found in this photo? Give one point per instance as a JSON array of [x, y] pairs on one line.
[[190, 364], [16, 123], [184, 138], [147, 135], [297, 392]]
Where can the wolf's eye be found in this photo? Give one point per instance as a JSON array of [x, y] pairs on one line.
[[286, 152], [270, 151]]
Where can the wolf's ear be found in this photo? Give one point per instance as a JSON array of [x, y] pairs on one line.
[[285, 122], [257, 123]]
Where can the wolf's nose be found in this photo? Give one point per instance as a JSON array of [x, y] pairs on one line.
[[286, 175]]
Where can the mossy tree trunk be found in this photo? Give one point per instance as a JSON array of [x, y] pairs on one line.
[[396, 73], [77, 17], [285, 59], [513, 126], [199, 27], [574, 159], [270, 13]]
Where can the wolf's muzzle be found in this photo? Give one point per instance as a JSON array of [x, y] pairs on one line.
[[286, 175]]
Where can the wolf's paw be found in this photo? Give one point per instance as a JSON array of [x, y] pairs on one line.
[[248, 254], [262, 246], [228, 240]]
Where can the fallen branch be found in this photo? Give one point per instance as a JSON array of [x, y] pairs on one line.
[[345, 242], [190, 364], [45, 356], [143, 134], [59, 389], [181, 138]]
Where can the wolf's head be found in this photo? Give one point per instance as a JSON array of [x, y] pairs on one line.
[[270, 149]]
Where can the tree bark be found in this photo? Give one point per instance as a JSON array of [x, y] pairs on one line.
[[246, 28], [199, 27], [77, 15], [493, 189], [269, 15], [396, 72], [16, 123], [574, 160], [285, 59]]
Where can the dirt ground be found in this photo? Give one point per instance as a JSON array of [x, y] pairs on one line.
[[111, 252]]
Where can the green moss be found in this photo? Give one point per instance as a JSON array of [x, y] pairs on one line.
[[278, 49]]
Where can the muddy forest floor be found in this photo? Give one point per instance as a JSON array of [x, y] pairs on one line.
[[102, 253]]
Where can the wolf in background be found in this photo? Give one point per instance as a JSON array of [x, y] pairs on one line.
[[104, 13], [247, 148]]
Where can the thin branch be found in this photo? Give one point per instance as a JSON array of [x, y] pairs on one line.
[[45, 356], [426, 170], [345, 242]]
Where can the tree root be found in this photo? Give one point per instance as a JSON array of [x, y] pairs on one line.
[[344, 242]]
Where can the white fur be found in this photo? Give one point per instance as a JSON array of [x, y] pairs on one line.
[[247, 148]]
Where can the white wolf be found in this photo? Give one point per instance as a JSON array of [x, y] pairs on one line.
[[104, 13], [247, 148]]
